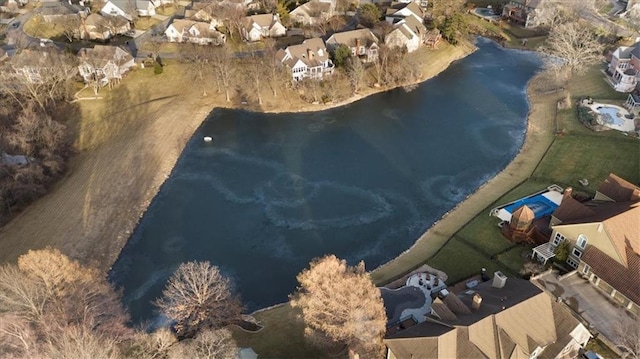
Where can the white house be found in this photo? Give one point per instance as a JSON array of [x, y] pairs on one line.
[[400, 10], [202, 33], [128, 8], [408, 33], [624, 69], [312, 12], [257, 27], [307, 60], [104, 64], [362, 42]]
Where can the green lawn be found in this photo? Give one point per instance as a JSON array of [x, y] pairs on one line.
[[460, 261], [282, 336], [572, 158], [514, 258], [592, 83]]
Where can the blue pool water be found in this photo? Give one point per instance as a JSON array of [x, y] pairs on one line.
[[610, 115], [539, 204]]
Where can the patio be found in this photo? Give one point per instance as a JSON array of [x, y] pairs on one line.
[[614, 117], [586, 300]]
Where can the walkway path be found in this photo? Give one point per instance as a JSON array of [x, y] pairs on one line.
[[540, 134]]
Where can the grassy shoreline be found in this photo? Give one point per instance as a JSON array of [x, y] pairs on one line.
[[538, 138]]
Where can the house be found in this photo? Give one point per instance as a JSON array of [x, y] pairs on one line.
[[104, 64], [206, 12], [257, 27], [604, 239], [362, 42], [307, 60], [129, 8], [56, 11], [408, 33], [196, 32], [312, 12], [530, 13], [623, 72], [98, 27], [400, 10], [503, 318]]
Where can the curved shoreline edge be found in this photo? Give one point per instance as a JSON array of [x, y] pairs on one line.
[[538, 138]]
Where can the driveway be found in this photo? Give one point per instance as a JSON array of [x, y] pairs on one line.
[[591, 303]]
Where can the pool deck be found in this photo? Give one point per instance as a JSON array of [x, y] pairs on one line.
[[542, 203], [624, 124]]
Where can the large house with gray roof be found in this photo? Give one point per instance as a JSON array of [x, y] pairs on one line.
[[499, 319], [362, 43], [604, 239], [307, 60], [202, 33], [104, 65]]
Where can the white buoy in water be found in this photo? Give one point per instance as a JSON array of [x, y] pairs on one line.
[[208, 139]]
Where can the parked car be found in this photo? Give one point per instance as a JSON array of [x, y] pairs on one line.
[[15, 25]]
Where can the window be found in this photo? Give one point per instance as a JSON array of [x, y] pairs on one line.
[[586, 269], [576, 252], [572, 262], [558, 239], [582, 241]]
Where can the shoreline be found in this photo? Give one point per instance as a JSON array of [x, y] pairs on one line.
[[538, 138], [92, 212]]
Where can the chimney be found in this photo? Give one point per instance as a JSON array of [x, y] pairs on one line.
[[309, 54], [477, 300], [567, 192], [358, 44], [499, 280]]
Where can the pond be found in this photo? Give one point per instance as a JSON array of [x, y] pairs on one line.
[[364, 181]]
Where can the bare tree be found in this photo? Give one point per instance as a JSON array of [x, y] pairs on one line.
[[198, 296], [627, 334], [575, 44], [35, 133], [341, 303], [70, 25], [275, 74], [253, 68], [55, 308], [198, 60], [356, 73], [156, 345], [224, 69], [208, 344]]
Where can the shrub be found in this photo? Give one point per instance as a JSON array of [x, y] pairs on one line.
[[157, 68]]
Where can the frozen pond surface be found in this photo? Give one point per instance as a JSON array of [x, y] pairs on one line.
[[272, 191]]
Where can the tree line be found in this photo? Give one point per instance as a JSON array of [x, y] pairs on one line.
[[54, 307], [33, 100]]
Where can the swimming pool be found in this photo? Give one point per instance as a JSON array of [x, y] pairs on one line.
[[541, 203], [610, 115]]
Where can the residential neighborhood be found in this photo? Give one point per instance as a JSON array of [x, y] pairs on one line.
[[320, 178]]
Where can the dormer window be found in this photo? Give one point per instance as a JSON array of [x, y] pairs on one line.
[[320, 52], [582, 241]]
